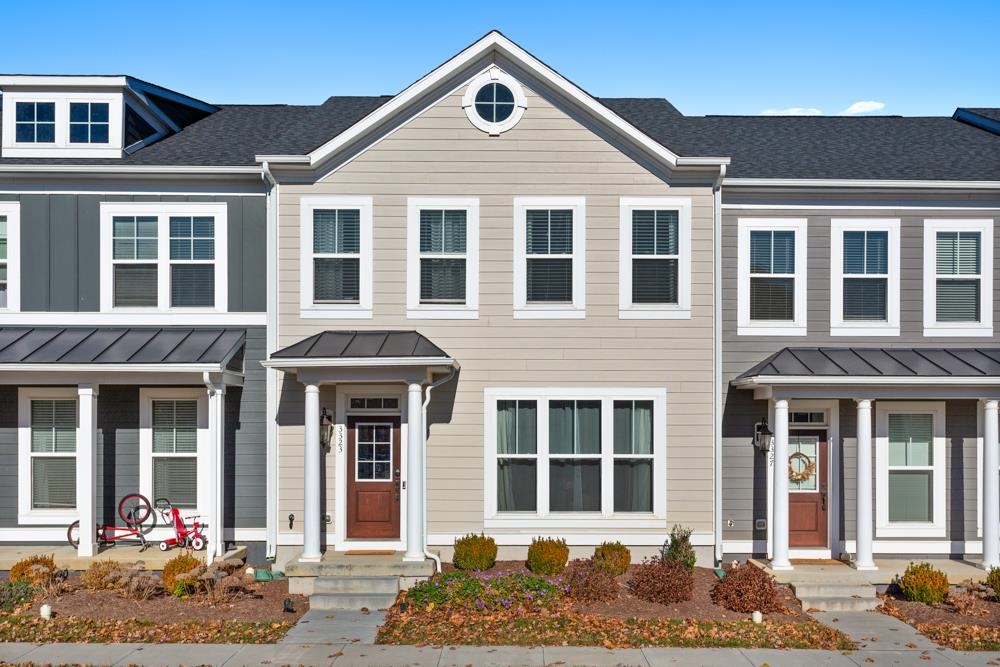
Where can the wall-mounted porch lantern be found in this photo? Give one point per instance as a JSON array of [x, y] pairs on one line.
[[763, 437]]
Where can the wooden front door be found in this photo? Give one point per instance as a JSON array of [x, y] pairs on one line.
[[807, 495], [373, 466]]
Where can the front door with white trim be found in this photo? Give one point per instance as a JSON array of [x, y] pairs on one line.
[[373, 477], [808, 506]]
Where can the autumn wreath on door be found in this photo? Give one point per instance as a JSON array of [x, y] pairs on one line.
[[800, 467]]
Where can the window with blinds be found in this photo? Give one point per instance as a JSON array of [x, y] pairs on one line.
[[53, 454], [958, 276], [336, 256], [655, 257], [866, 276], [443, 256], [3, 261], [911, 468], [772, 275], [192, 257], [175, 451], [134, 255], [549, 261]]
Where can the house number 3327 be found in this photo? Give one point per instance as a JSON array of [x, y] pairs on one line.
[[339, 432]]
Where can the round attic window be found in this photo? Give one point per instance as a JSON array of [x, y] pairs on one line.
[[494, 102]]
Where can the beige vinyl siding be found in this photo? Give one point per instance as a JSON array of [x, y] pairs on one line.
[[439, 153]]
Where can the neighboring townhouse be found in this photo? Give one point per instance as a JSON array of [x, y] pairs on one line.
[[132, 299]]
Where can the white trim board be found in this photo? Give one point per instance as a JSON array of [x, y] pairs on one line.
[[114, 319], [853, 207], [698, 539]]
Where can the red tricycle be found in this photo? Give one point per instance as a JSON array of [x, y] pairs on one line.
[[183, 536]]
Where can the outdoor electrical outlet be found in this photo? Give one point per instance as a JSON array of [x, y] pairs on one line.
[[327, 518], [760, 524], [730, 523]]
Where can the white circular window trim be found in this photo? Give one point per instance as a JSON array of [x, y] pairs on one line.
[[494, 75]]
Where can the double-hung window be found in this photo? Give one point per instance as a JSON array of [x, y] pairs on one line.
[[173, 443], [911, 484], [574, 456], [958, 284], [47, 443], [336, 257], [35, 122], [549, 257], [442, 258], [10, 252], [864, 277], [771, 266], [655, 258], [89, 122], [163, 257]]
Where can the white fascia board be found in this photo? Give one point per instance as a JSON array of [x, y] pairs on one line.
[[40, 81], [857, 183], [964, 381], [127, 169], [703, 161], [358, 362]]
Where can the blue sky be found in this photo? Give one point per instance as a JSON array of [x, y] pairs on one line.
[[915, 58]]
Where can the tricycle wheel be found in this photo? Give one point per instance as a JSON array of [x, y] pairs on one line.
[[73, 534], [134, 509], [164, 546], [198, 543]]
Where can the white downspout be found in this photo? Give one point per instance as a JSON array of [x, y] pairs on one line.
[[216, 419], [271, 375], [427, 399], [717, 359]]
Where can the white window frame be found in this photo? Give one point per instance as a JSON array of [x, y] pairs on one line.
[[744, 325], [838, 326], [12, 211], [163, 212], [309, 308], [931, 326], [25, 514], [61, 147], [204, 454], [577, 309], [494, 75], [883, 527], [442, 311], [628, 310], [542, 518]]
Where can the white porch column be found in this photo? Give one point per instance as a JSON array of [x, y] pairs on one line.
[[779, 557], [311, 478], [86, 469], [991, 487], [217, 431], [414, 474], [863, 556]]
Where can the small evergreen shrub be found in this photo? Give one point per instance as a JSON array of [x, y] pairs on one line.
[[547, 556], [475, 552], [38, 570], [587, 581], [101, 575], [922, 582], [993, 581], [678, 547], [612, 557], [484, 593], [179, 564], [747, 588], [13, 594], [662, 581]]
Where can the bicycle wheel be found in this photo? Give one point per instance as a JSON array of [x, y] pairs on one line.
[[134, 509], [73, 534]]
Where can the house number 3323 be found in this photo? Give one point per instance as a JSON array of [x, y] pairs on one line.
[[339, 432]]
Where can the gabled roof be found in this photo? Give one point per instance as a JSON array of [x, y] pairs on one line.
[[363, 345]]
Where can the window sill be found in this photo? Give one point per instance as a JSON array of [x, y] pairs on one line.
[[864, 330], [655, 313], [550, 313], [772, 330], [938, 331], [47, 519], [442, 313], [910, 530], [587, 520], [334, 313]]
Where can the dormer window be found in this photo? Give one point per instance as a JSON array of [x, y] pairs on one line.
[[35, 122], [88, 123]]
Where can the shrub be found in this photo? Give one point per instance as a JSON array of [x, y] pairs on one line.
[[179, 564], [612, 557], [678, 547], [38, 570], [475, 552], [993, 581], [547, 556], [587, 581], [661, 580], [13, 594], [747, 588], [922, 582], [100, 575], [509, 591]]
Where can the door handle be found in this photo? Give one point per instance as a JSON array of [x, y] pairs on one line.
[[822, 500]]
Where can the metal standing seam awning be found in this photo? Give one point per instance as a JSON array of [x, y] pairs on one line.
[[362, 349]]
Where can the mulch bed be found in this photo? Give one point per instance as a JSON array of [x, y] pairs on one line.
[[976, 630]]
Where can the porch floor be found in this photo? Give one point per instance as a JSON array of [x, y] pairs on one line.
[[66, 558], [828, 572], [339, 563]]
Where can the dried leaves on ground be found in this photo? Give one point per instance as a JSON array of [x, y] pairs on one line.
[[25, 628]]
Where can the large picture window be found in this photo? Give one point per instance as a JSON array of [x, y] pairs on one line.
[[771, 292], [864, 277], [958, 277], [336, 257], [549, 264]]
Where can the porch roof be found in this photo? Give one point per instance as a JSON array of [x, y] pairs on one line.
[[362, 348]]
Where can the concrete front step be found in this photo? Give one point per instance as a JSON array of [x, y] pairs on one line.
[[838, 603], [373, 585], [823, 590], [360, 566], [342, 601]]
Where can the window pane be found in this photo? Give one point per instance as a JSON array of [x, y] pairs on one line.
[[784, 252], [561, 426], [633, 485], [760, 251], [79, 112], [549, 232], [135, 285], [336, 280], [877, 252], [633, 427], [516, 427], [958, 253], [527, 427], [25, 111], [53, 482], [772, 298], [958, 300], [176, 478], [45, 112], [575, 427], [79, 134], [337, 231], [53, 426], [808, 446], [574, 485], [865, 299], [549, 280], [442, 231], [175, 427], [192, 285], [517, 485], [910, 439], [442, 280], [654, 281], [588, 427], [911, 495], [854, 252], [643, 232]]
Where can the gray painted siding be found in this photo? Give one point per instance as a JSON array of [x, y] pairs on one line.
[[246, 441], [744, 475], [60, 241], [8, 457], [117, 448]]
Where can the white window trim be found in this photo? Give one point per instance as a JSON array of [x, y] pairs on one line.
[[204, 454], [25, 514], [442, 311], [746, 327], [931, 326], [578, 308], [883, 527], [839, 327], [542, 518], [62, 147], [682, 309], [12, 211], [494, 75], [163, 211], [310, 309]]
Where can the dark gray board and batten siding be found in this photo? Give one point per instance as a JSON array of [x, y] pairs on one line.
[[60, 233], [744, 480]]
